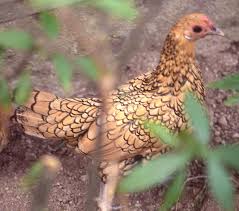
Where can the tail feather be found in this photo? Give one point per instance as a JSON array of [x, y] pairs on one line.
[[47, 116]]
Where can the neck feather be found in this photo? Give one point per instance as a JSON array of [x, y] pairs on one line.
[[176, 54], [177, 69]]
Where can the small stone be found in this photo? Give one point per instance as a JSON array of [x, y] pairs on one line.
[[218, 140], [179, 206], [235, 135], [84, 178], [217, 133], [30, 156], [223, 121], [137, 204]]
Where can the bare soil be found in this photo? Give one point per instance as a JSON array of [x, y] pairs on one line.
[[216, 56]]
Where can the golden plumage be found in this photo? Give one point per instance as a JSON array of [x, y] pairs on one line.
[[155, 96]]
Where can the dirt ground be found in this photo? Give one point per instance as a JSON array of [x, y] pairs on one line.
[[216, 56]]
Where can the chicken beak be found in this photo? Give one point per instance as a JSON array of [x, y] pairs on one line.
[[216, 31]]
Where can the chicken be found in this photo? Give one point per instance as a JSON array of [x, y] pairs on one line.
[[156, 96]]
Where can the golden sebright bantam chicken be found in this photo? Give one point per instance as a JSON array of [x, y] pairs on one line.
[[155, 96]]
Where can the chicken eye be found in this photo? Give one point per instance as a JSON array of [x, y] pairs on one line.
[[197, 29]]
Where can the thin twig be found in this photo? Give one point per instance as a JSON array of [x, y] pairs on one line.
[[51, 165], [200, 198], [195, 178], [102, 57]]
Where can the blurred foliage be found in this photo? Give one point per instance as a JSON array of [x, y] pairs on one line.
[[23, 88], [197, 118], [63, 70], [88, 67], [174, 191], [5, 97], [230, 82], [173, 165], [50, 24], [219, 181], [15, 39], [145, 176], [163, 133], [123, 8], [39, 179], [33, 175], [22, 40]]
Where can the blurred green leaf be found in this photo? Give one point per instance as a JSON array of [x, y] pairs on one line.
[[33, 175], [88, 67], [63, 70], [5, 98], [198, 118], [122, 8], [232, 100], [154, 172], [2, 51], [228, 155], [220, 183], [50, 24], [192, 145], [163, 133], [23, 88], [50, 4], [15, 39], [174, 191], [229, 82]]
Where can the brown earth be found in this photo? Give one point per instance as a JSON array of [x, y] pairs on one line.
[[217, 57]]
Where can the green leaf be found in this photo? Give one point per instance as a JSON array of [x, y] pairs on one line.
[[15, 39], [2, 51], [220, 183], [154, 172], [174, 191], [5, 98], [50, 24], [232, 100], [88, 67], [23, 88], [63, 70], [122, 8], [163, 133], [228, 155], [33, 175], [230, 82], [192, 145], [50, 4], [198, 118]]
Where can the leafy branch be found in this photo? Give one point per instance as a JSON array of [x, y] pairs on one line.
[[23, 41], [230, 82], [190, 146]]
